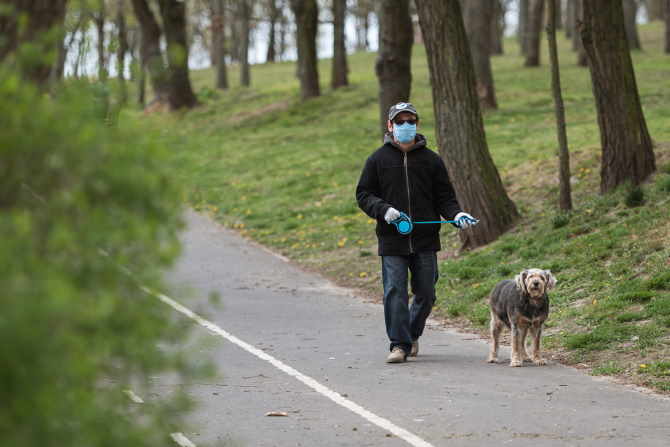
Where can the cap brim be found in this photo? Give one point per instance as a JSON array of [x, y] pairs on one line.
[[396, 112]]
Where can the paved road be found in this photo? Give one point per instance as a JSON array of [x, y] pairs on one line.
[[447, 396]]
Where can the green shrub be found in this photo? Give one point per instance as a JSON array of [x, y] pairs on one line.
[[560, 220], [76, 329], [634, 197]]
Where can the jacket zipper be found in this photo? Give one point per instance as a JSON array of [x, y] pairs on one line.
[[409, 199]]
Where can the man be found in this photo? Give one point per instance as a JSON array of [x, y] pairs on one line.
[[405, 176]]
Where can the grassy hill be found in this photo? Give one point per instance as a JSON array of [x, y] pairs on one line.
[[283, 173]]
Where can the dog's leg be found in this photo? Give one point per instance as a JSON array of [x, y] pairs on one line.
[[516, 338], [496, 326], [523, 354], [536, 332]]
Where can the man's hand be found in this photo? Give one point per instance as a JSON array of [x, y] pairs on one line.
[[391, 215], [465, 220]]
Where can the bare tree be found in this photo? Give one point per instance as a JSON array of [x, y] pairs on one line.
[[570, 18], [478, 16], [151, 56], [218, 14], [394, 57], [498, 27], [362, 12], [244, 12], [99, 19], [627, 153], [459, 125], [273, 16], [307, 19], [522, 29], [180, 92], [535, 19], [667, 26], [630, 18], [340, 69], [122, 48], [565, 195], [576, 37]]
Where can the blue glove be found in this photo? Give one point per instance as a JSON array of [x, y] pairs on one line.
[[465, 220]]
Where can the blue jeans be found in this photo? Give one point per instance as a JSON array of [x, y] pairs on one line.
[[405, 323]]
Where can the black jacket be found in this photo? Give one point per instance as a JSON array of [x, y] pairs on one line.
[[415, 182]]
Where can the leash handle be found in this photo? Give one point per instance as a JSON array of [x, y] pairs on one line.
[[436, 222]]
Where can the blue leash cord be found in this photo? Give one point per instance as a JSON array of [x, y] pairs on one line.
[[404, 224]]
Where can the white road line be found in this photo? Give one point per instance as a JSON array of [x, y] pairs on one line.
[[381, 422], [134, 397], [182, 440]]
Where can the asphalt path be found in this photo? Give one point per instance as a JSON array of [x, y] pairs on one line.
[[291, 342]]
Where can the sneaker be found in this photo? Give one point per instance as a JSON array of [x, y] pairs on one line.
[[397, 355], [415, 348]]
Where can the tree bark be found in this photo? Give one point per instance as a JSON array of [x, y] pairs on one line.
[[180, 92], [570, 19], [576, 37], [99, 21], [479, 14], [627, 153], [535, 19], [522, 30], [272, 39], [151, 56], [340, 69], [363, 9], [667, 26], [307, 19], [565, 194], [245, 35], [44, 23], [655, 10], [122, 49], [498, 28], [219, 43], [393, 66], [630, 16], [459, 125]]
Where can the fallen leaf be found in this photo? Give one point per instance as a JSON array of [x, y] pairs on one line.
[[276, 413]]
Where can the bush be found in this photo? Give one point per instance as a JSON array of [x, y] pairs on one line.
[[634, 197], [76, 329], [560, 220]]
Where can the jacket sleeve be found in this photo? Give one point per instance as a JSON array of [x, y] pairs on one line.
[[367, 192], [447, 204]]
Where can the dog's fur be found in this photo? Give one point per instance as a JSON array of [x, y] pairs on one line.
[[522, 305]]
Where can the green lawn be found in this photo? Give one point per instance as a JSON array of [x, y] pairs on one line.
[[283, 173]]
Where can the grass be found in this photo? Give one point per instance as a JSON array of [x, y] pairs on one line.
[[283, 173]]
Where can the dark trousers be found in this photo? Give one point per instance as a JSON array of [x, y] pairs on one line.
[[405, 323]]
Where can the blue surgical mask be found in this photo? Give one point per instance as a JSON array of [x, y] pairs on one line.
[[404, 133]]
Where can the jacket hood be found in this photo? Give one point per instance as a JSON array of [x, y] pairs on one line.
[[419, 141]]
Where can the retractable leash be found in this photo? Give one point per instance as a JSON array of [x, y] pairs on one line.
[[404, 224]]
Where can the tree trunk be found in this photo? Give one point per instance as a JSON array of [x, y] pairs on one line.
[[394, 58], [667, 26], [559, 15], [219, 43], [570, 19], [565, 195], [245, 35], [576, 38], [283, 28], [122, 49], [630, 18], [655, 10], [522, 30], [627, 153], [99, 20], [535, 19], [459, 125], [479, 14], [151, 56], [272, 40], [307, 19], [41, 17], [497, 27], [180, 92], [362, 25], [340, 68]]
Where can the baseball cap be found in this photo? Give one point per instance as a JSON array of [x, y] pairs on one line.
[[402, 107]]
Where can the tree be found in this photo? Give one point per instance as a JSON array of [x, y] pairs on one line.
[[43, 25], [340, 68], [565, 195], [576, 36], [570, 18], [180, 92], [630, 18], [655, 9], [627, 153], [522, 30], [459, 125], [498, 27], [307, 19], [667, 26], [362, 12], [479, 14], [244, 12], [122, 48], [535, 19], [151, 56], [99, 19], [217, 8], [393, 66], [274, 14]]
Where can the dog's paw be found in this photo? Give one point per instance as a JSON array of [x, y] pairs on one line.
[[515, 362], [539, 361]]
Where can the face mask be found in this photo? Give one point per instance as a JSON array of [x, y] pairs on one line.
[[404, 133]]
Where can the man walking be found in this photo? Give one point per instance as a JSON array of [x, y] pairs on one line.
[[405, 176]]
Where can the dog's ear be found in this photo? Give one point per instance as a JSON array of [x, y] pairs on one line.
[[520, 281], [550, 280]]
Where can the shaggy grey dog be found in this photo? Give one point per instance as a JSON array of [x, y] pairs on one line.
[[522, 305]]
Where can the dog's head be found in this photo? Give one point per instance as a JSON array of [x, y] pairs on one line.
[[535, 282]]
